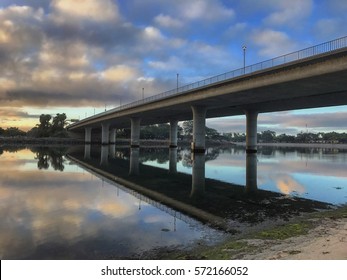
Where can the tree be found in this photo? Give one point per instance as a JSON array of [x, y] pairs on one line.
[[158, 131], [284, 138], [58, 126], [59, 122], [45, 126], [187, 128], [268, 136], [212, 133], [13, 131]]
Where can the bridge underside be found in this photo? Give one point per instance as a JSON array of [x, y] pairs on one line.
[[311, 83]]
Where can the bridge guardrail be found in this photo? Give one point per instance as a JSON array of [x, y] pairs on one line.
[[280, 60]]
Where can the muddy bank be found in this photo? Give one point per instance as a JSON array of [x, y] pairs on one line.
[[314, 236]]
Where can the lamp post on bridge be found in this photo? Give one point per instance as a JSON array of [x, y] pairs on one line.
[[244, 58], [143, 93], [177, 83]]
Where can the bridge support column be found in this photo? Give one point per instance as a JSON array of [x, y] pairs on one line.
[[87, 148], [135, 132], [173, 133], [251, 131], [104, 156], [88, 135], [173, 160], [251, 173], [134, 161], [105, 133], [113, 136], [198, 175], [199, 123]]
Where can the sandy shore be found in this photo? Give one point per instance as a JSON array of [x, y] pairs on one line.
[[327, 241]]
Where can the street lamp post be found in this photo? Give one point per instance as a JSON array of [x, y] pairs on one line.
[[244, 59], [177, 82], [143, 93]]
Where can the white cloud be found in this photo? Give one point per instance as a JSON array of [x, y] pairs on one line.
[[205, 10], [329, 28], [290, 12], [168, 22], [273, 43], [120, 73], [173, 63], [152, 33], [95, 10]]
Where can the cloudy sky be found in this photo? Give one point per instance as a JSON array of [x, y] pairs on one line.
[[75, 56]]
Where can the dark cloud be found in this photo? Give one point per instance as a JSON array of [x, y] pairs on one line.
[[62, 53]]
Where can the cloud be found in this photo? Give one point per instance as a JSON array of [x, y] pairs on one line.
[[168, 22], [228, 124], [205, 10], [329, 28], [89, 10], [289, 12], [273, 43], [62, 52], [288, 185], [15, 114], [284, 122], [315, 122]]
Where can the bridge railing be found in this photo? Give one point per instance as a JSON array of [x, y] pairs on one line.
[[280, 60]]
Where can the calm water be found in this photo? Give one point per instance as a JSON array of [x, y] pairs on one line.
[[85, 202]]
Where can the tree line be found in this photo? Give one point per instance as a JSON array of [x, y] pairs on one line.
[[49, 126], [270, 136]]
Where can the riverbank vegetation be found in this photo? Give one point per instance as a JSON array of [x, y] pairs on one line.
[[55, 127]]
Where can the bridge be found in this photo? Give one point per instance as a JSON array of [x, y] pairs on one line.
[[310, 78]]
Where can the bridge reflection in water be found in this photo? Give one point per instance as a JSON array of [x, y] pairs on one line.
[[226, 206]]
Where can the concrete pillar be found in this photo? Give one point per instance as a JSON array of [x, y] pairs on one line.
[[87, 148], [134, 161], [199, 124], [112, 150], [88, 135], [251, 173], [104, 155], [173, 133], [105, 133], [198, 176], [135, 132], [173, 160], [251, 131], [113, 133]]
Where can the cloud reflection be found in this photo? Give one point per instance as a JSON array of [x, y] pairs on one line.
[[288, 185], [44, 212]]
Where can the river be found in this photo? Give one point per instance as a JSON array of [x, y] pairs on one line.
[[111, 202]]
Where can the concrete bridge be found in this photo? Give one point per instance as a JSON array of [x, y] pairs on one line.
[[309, 78]]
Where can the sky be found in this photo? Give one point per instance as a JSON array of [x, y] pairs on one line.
[[81, 57]]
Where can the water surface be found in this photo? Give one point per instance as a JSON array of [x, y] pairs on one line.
[[107, 202]]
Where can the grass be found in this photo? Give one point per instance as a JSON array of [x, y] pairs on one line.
[[285, 231]]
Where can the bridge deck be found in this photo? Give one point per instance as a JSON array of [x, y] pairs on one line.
[[315, 81]]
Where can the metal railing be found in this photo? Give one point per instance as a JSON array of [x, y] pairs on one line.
[[280, 60]]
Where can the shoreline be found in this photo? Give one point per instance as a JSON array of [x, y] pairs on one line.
[[160, 143], [315, 236], [299, 145]]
